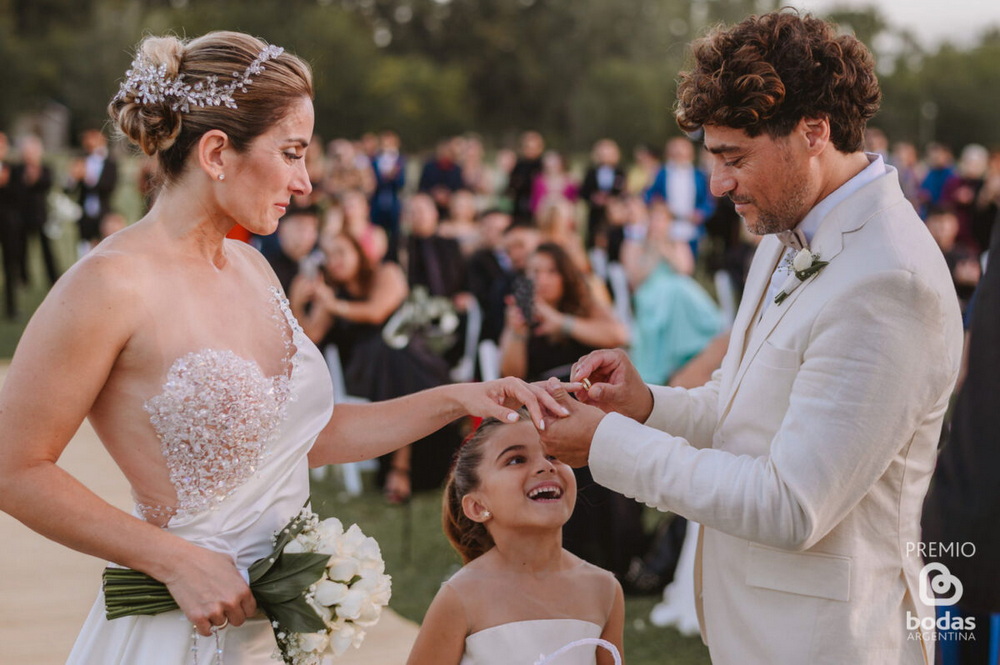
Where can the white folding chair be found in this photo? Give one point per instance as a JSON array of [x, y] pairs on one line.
[[621, 295], [350, 472], [489, 360], [465, 370], [726, 296]]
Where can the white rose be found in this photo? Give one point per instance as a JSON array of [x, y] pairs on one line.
[[350, 605], [341, 638], [329, 533], [370, 613], [329, 593], [802, 260], [352, 540], [343, 570], [313, 642], [378, 588]]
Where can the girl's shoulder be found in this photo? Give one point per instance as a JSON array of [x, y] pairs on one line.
[[602, 581]]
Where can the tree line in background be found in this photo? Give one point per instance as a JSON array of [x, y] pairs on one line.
[[576, 70]]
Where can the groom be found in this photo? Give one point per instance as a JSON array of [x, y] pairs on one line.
[[808, 454]]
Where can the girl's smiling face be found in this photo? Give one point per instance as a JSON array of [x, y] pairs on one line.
[[520, 484]]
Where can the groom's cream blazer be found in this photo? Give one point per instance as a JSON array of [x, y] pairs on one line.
[[807, 456]]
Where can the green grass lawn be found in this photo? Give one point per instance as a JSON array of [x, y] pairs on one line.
[[419, 558]]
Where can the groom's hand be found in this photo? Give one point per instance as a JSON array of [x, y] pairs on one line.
[[568, 438], [615, 384]]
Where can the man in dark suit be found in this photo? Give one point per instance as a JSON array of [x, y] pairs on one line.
[[32, 180], [10, 235], [604, 179], [389, 167], [433, 261], [962, 508], [441, 176], [94, 178], [491, 272], [522, 177]]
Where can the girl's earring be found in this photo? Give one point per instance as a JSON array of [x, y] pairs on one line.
[[222, 176], [487, 514]]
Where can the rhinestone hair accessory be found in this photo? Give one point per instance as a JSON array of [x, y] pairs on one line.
[[146, 83]]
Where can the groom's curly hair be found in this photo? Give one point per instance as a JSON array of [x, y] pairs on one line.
[[768, 72]]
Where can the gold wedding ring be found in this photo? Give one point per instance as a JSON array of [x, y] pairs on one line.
[[586, 383]]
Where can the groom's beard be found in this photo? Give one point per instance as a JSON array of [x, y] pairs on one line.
[[784, 213]]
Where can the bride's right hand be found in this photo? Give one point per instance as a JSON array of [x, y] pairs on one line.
[[210, 590]]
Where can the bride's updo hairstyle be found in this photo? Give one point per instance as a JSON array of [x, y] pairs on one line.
[[177, 90]]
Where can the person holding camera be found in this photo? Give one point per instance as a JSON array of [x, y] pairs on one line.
[[553, 318]]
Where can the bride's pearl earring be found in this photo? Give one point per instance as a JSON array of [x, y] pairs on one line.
[[222, 176], [487, 514]]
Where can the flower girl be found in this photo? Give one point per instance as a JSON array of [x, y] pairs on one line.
[[520, 597]]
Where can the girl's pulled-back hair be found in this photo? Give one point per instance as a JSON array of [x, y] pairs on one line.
[[470, 539], [163, 127]]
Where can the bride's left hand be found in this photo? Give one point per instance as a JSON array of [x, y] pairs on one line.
[[501, 398]]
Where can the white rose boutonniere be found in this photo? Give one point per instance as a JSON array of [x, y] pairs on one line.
[[805, 264]]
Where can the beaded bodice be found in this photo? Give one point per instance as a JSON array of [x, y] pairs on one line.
[[217, 418]]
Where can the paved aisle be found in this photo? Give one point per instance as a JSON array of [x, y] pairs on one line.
[[46, 590]]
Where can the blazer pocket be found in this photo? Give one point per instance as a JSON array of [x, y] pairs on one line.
[[805, 573], [777, 358]]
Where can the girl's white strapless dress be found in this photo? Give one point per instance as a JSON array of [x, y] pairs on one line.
[[524, 642], [235, 442]]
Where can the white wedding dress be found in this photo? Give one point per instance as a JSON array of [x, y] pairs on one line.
[[235, 443], [524, 642]]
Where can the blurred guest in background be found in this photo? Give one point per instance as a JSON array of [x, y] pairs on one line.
[[10, 232], [295, 251], [961, 190], [441, 176], [389, 167], [358, 222], [557, 223], [940, 167], [347, 170], [93, 178], [561, 321], [553, 183], [907, 162], [988, 201], [963, 261], [523, 174], [461, 223], [347, 305], [685, 189], [542, 338], [604, 178], [433, 261], [32, 180], [675, 318], [476, 176], [490, 273], [642, 174]]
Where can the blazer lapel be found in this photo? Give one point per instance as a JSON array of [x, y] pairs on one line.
[[828, 243], [765, 260]]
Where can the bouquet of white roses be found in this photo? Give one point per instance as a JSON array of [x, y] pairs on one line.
[[321, 588]]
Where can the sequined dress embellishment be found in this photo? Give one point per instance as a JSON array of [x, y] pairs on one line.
[[216, 419]]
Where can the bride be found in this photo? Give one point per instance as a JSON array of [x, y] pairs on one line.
[[179, 347]]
